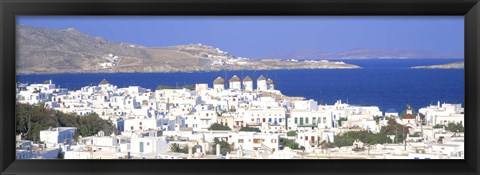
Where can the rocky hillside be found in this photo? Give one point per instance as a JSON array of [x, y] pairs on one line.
[[456, 65], [70, 51]]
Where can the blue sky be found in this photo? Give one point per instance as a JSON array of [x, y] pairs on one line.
[[257, 37]]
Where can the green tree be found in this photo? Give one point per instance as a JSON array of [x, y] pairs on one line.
[[174, 147], [438, 126], [291, 133], [160, 87], [224, 147], [250, 129], [290, 143], [454, 127], [31, 119], [340, 120], [393, 128], [190, 87], [217, 126]]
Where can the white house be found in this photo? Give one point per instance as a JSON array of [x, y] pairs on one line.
[[255, 141], [143, 124], [148, 146], [58, 135]]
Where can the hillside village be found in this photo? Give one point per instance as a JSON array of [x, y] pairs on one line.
[[238, 118]]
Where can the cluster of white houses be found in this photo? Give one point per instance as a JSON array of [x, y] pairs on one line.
[[151, 121]]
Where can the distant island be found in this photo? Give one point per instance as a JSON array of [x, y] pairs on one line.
[[364, 53], [41, 50], [455, 65]]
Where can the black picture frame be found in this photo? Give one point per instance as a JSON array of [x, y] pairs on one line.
[[470, 9]]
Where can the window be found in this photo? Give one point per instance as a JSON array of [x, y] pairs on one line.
[[240, 140], [301, 120], [131, 127], [324, 119], [140, 123], [314, 120], [269, 119], [141, 147], [306, 120], [306, 137], [274, 140], [296, 120]]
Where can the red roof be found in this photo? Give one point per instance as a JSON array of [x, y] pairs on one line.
[[408, 116]]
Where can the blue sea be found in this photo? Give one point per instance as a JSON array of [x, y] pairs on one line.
[[387, 83]]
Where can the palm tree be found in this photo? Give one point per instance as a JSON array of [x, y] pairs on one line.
[[174, 147]]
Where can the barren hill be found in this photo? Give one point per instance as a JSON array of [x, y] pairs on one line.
[[42, 50]]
